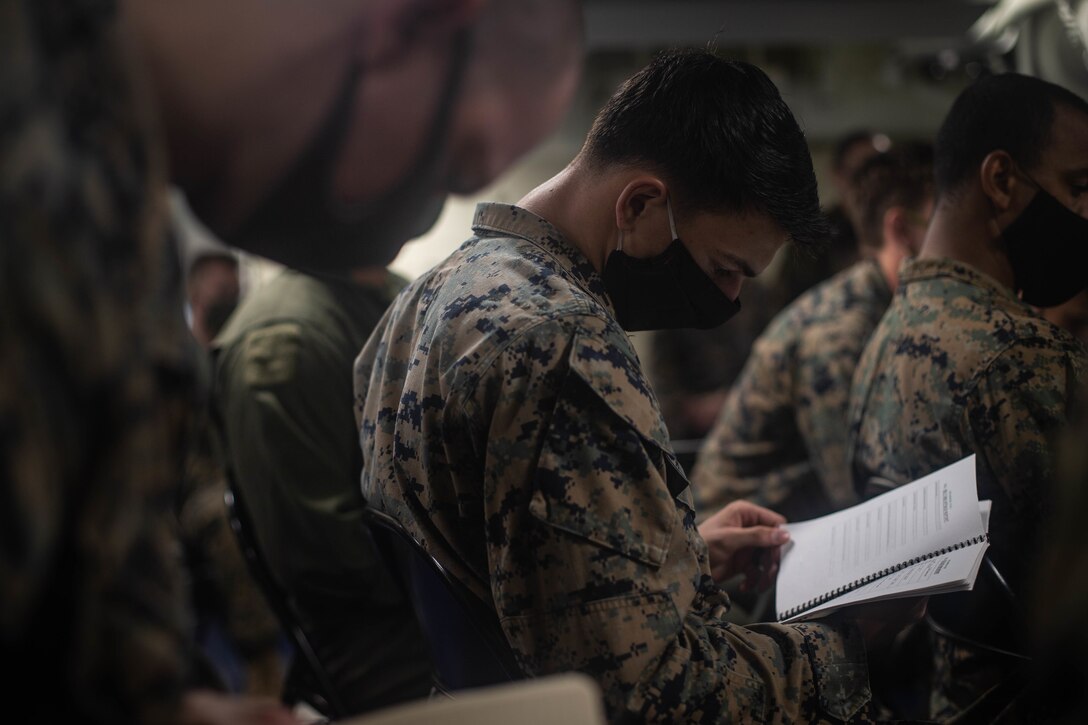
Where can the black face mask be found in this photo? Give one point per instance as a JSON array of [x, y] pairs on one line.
[[301, 224], [667, 291], [1048, 249]]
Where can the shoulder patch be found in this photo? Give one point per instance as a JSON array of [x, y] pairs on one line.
[[269, 355]]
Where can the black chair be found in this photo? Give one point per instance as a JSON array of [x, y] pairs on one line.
[[968, 618], [468, 647], [312, 684]]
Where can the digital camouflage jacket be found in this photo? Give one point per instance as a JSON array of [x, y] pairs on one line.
[[959, 365]]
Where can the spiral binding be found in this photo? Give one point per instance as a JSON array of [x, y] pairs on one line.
[[838, 591]]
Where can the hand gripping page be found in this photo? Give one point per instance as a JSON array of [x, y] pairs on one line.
[[936, 516]]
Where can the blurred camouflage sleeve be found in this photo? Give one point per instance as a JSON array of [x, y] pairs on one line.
[[821, 390], [594, 560], [96, 379], [755, 451]]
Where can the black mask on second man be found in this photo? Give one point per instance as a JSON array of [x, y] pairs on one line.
[[667, 291], [300, 223], [1048, 249]]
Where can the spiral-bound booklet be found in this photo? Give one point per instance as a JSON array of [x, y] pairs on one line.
[[926, 537]]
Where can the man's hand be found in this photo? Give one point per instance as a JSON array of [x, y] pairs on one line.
[[744, 538]]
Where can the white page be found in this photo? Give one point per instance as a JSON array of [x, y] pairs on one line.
[[952, 572], [937, 511], [955, 571]]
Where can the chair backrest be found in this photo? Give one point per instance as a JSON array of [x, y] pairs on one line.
[[468, 648], [989, 618], [319, 691]]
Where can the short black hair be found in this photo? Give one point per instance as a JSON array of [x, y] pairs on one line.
[[1006, 111], [721, 136], [901, 177]]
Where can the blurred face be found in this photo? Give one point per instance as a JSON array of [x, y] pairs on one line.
[[854, 157], [397, 139], [489, 125]]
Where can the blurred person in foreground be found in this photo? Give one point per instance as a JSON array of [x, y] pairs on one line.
[[506, 422], [963, 362], [293, 127], [781, 438]]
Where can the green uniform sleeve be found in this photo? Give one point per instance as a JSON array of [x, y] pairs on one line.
[[755, 450], [284, 392]]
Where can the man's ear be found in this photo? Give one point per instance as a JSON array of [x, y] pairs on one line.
[[641, 193], [997, 179], [900, 231]]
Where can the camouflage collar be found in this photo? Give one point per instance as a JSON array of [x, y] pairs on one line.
[[493, 219], [920, 269]]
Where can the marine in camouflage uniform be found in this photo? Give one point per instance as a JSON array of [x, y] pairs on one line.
[[506, 422], [283, 388], [96, 378], [959, 365], [781, 438]]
